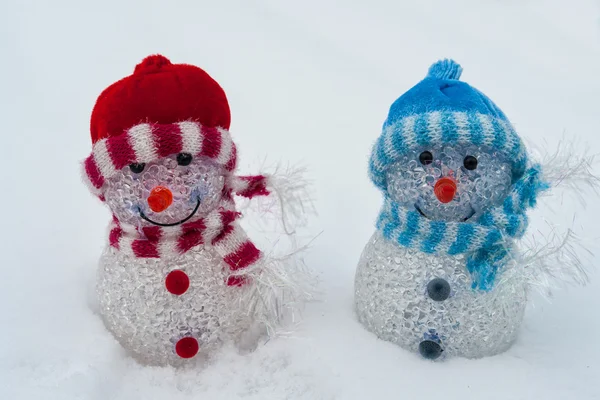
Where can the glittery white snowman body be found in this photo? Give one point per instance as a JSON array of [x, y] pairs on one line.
[[392, 301], [135, 304], [391, 286], [148, 321]]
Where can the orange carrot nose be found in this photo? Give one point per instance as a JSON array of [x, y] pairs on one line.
[[445, 189], [160, 199]]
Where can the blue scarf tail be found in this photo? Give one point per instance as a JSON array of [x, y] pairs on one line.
[[486, 242]]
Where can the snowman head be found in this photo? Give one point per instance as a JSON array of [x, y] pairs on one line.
[[162, 174], [166, 192], [446, 149], [450, 183], [162, 154]]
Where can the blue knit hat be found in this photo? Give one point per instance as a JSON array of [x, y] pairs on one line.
[[441, 110]]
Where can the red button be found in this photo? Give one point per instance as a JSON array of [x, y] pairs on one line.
[[177, 282], [187, 347]]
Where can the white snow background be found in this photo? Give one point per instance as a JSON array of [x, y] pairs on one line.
[[308, 81]]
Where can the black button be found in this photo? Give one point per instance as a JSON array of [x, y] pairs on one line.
[[430, 349], [438, 289]]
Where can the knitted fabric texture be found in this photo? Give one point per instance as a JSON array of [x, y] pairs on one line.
[[218, 230], [144, 143], [159, 92], [438, 111]]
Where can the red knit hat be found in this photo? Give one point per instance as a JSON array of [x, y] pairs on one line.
[[160, 109], [159, 92]]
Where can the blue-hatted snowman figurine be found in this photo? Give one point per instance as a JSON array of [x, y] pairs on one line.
[[444, 273]]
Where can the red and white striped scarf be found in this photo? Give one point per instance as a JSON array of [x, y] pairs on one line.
[[219, 230]]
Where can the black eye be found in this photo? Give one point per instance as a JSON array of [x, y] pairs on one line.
[[137, 168], [184, 159], [470, 163], [426, 158]]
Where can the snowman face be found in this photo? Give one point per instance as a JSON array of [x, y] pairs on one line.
[[450, 183], [167, 192]]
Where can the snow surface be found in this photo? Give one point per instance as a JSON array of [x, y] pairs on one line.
[[309, 81]]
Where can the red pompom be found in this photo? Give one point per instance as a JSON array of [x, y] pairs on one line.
[[151, 64], [159, 92], [177, 282], [187, 347]]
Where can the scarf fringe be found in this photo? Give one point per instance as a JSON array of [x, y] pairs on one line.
[[283, 195]]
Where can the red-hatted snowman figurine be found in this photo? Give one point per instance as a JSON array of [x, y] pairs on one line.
[[179, 275]]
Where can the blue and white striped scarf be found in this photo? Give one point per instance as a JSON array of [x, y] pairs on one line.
[[486, 243]]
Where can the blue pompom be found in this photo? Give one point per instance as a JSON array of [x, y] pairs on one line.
[[445, 69]]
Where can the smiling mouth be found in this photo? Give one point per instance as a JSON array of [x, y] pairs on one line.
[[463, 220], [174, 223]]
